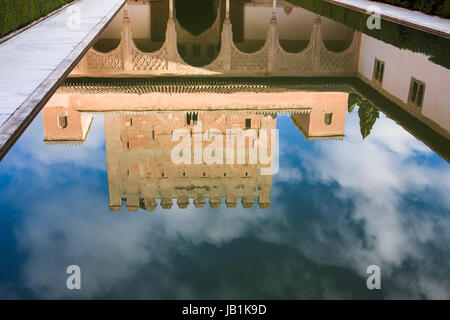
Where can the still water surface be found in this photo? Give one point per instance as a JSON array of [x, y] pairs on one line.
[[373, 195], [336, 207]]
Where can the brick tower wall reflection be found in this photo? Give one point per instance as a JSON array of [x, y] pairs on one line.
[[140, 168], [63, 125], [325, 121]]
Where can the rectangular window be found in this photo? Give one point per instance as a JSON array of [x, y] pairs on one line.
[[195, 118], [62, 121], [328, 118], [188, 118], [378, 71], [248, 123], [191, 117], [416, 92]]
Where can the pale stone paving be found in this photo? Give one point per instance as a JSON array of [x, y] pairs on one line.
[[36, 60]]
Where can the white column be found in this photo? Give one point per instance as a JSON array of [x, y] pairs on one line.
[[317, 35], [226, 39], [171, 40], [170, 8], [127, 38], [149, 19], [274, 9], [272, 36]]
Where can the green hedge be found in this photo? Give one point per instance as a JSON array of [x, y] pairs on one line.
[[435, 47], [432, 7], [15, 14]]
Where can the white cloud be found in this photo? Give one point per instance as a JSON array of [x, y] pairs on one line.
[[376, 174], [90, 155], [289, 175]]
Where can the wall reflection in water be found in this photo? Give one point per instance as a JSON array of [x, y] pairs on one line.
[[377, 196], [139, 140], [262, 38]]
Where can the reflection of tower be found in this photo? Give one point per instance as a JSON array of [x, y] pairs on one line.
[[63, 125], [316, 114], [139, 128], [326, 120], [140, 168]]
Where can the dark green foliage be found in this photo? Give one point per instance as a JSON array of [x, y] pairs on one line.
[[444, 9], [435, 47], [367, 113], [367, 117], [15, 14], [433, 7], [353, 100]]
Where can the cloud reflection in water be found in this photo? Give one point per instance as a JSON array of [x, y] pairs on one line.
[[337, 207]]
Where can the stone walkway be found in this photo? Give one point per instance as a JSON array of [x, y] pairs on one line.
[[33, 63], [414, 19]]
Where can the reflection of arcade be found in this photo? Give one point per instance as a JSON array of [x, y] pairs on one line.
[[238, 38], [138, 140]]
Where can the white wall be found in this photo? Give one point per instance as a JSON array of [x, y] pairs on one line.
[[400, 66], [139, 19]]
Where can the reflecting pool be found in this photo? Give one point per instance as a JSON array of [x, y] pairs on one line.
[[232, 184]]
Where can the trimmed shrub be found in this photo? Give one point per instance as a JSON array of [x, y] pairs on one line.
[[15, 14], [444, 9], [432, 7]]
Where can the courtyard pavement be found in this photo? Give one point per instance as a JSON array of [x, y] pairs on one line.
[[35, 61]]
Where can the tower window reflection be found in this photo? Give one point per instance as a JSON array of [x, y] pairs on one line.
[[328, 118], [62, 121]]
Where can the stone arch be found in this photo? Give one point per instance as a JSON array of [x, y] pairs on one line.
[[336, 37], [146, 38], [106, 45], [201, 49], [110, 38], [158, 19], [295, 27], [196, 16]]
